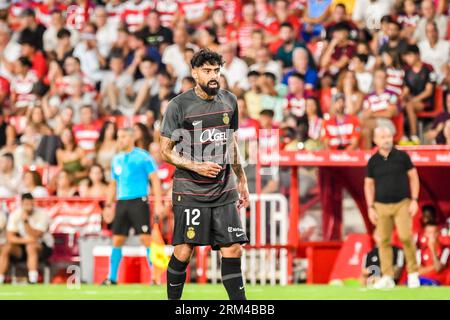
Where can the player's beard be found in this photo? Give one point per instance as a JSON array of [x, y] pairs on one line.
[[210, 91]]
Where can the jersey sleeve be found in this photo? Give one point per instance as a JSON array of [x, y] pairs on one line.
[[234, 123], [369, 169], [171, 121], [150, 165], [407, 160], [113, 171]]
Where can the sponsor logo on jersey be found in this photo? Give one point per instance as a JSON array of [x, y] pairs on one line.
[[213, 135]]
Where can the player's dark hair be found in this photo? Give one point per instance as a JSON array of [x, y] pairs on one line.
[[206, 56], [27, 196]]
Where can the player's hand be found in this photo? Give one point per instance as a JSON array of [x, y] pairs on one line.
[[244, 196], [413, 208], [108, 214], [208, 169], [373, 216]]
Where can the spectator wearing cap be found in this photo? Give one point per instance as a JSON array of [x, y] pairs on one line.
[[30, 50], [28, 238], [10, 177], [436, 132], [435, 51], [9, 51], [418, 93], [340, 131], [429, 14], [31, 29], [22, 94], [88, 52], [378, 108]]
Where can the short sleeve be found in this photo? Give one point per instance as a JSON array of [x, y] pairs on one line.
[[171, 121], [113, 171], [234, 122], [12, 223], [150, 165], [407, 160], [369, 169]]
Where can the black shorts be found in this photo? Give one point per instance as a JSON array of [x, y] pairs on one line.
[[215, 226], [134, 213], [44, 254]]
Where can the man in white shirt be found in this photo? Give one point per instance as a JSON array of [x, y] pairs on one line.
[[429, 14], [9, 52], [10, 178], [106, 31], [27, 238], [264, 63], [435, 51], [174, 56], [235, 69], [368, 13]]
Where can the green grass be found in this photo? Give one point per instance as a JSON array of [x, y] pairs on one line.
[[199, 292]]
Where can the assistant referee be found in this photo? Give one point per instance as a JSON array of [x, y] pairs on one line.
[[391, 188], [131, 171]]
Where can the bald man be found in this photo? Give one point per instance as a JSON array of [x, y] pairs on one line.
[[391, 188]]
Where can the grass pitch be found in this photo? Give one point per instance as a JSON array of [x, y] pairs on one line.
[[217, 292]]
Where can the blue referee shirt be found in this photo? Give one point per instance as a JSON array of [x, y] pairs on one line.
[[130, 171]]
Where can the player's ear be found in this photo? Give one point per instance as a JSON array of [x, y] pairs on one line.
[[194, 74]]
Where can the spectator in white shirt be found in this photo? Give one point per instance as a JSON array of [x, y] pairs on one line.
[[368, 13], [235, 69], [27, 238], [10, 178], [9, 52], [435, 51], [106, 31], [265, 64], [429, 14]]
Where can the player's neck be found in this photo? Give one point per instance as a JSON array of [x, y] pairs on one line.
[[202, 94]]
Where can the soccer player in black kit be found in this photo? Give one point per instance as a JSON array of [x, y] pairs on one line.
[[199, 124]]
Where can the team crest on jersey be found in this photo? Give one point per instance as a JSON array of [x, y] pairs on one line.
[[226, 119], [190, 233], [179, 198]]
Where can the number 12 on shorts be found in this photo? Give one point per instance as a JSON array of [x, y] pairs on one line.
[[192, 217]]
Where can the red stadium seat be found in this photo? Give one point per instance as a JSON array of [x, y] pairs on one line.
[[438, 105]]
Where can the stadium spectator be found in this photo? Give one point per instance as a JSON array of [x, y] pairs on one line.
[[65, 184], [315, 15], [364, 78], [22, 85], [418, 94], [434, 266], [30, 28], [63, 47], [301, 65], [106, 31], [435, 52], [10, 51], [287, 46], [371, 271], [27, 238], [50, 36], [78, 97], [314, 123], [408, 18], [391, 189], [379, 108], [252, 95], [394, 40], [32, 183], [263, 63], [368, 13], [241, 35], [142, 138], [429, 14], [341, 131], [106, 146], [339, 15], [114, 87], [436, 133], [155, 34], [30, 50], [87, 131], [10, 177], [70, 157], [97, 186], [395, 74], [347, 84], [235, 69], [143, 89]]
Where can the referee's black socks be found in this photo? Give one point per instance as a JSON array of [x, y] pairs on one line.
[[232, 278], [176, 276]]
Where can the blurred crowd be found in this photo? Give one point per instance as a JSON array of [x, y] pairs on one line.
[[322, 74]]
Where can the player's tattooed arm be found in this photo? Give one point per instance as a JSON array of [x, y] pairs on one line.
[[207, 169], [236, 162]]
